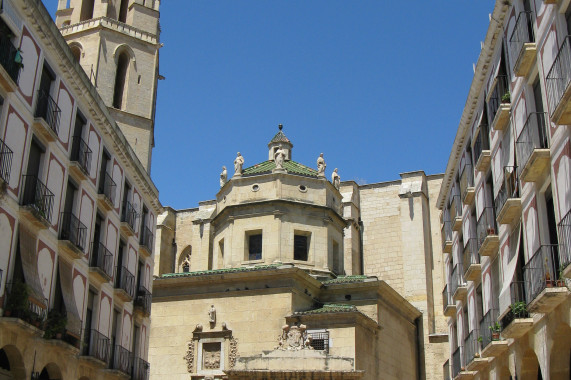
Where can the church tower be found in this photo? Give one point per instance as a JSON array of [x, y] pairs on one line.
[[116, 42]]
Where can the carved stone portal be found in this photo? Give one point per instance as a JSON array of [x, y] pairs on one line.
[[294, 338]]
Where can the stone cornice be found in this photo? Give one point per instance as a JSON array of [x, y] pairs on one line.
[[111, 24]]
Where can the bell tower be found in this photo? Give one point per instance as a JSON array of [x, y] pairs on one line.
[[116, 42]]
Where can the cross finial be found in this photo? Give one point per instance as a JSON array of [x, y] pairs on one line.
[[280, 126]]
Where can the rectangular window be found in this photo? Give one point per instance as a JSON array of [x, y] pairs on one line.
[[300, 246], [255, 246]]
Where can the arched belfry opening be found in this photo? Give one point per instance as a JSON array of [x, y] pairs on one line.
[[86, 10], [121, 80], [123, 8]]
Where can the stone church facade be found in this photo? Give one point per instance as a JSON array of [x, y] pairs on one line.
[[286, 275]]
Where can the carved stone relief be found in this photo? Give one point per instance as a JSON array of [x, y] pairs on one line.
[[189, 357], [233, 354], [211, 355], [294, 338]]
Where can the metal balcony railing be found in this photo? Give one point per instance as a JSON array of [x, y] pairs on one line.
[[125, 280], [533, 136], [447, 298], [81, 153], [121, 359], [73, 230], [541, 270], [6, 155], [144, 299], [517, 292], [466, 179], [47, 109], [38, 196], [446, 232], [24, 309], [482, 142], [147, 239], [101, 258], [456, 279], [486, 225], [509, 188], [129, 214], [456, 362], [564, 227], [96, 345], [559, 75], [140, 369], [8, 58], [471, 346], [107, 187], [470, 255], [522, 33], [455, 206], [446, 369], [487, 324], [501, 88]]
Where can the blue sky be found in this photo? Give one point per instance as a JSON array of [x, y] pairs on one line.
[[377, 86]]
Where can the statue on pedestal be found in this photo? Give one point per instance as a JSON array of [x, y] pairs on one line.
[[321, 165], [335, 179], [238, 163], [223, 176]]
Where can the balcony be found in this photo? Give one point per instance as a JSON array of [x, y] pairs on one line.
[[143, 301], [446, 369], [47, 117], [128, 218], [140, 369], [499, 104], [517, 322], [121, 360], [106, 192], [97, 347], [472, 359], [487, 231], [9, 65], [482, 152], [101, 262], [564, 228], [456, 362], [508, 202], [37, 201], [557, 83], [80, 159], [543, 289], [458, 286], [490, 332], [471, 260], [446, 236], [24, 308], [533, 148], [72, 235], [146, 242], [449, 308], [467, 190], [456, 212], [6, 155], [522, 46], [124, 284]]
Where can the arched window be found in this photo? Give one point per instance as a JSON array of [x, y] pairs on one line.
[[76, 51], [120, 80], [184, 260], [86, 10]]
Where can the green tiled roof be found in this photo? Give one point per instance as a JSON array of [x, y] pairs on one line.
[[329, 308], [220, 271], [280, 137], [292, 167], [345, 279]]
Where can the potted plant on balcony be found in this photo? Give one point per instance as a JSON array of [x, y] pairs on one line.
[[561, 281], [506, 98], [495, 329], [519, 310], [55, 325], [17, 302]]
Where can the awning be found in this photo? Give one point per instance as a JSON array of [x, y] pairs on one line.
[[509, 263], [28, 248], [69, 298]]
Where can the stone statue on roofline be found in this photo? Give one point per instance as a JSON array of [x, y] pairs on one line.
[[335, 179], [321, 165], [223, 176], [279, 157], [238, 163]]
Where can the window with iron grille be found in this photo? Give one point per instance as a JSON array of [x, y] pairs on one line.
[[319, 340]]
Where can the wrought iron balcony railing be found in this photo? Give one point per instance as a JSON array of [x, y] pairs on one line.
[[446, 232], [6, 155], [81, 153], [564, 227], [559, 75], [101, 258], [125, 280], [509, 188], [38, 196], [470, 255], [146, 239], [446, 369], [8, 58], [487, 326], [486, 225], [522, 33], [501, 88], [541, 270], [73, 230], [121, 359], [28, 309], [140, 369], [456, 362], [107, 187], [455, 206], [96, 345], [471, 346], [129, 214], [533, 136], [482, 142], [466, 180], [47, 109], [447, 298], [456, 279], [143, 300]]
